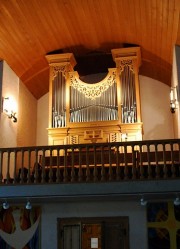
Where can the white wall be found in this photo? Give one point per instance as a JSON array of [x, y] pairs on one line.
[[135, 212], [23, 132], [42, 120], [10, 88], [155, 108], [27, 117], [175, 83]]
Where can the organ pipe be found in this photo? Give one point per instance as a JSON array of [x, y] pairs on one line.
[[59, 101], [128, 96], [102, 108], [115, 98]]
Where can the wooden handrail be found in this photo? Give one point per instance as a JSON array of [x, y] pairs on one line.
[[137, 160]]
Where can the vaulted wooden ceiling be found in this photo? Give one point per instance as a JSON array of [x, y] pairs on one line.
[[30, 29]]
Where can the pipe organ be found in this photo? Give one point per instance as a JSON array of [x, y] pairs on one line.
[[106, 111], [93, 102]]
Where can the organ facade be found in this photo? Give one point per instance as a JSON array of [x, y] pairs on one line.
[[106, 111]]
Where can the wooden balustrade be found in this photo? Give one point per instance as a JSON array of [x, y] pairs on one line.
[[140, 160]]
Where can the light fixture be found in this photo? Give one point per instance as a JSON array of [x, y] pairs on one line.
[[173, 99], [5, 205], [28, 205], [177, 201], [143, 202], [8, 109]]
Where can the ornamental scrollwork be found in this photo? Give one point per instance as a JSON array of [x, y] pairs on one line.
[[93, 91], [64, 69], [124, 63]]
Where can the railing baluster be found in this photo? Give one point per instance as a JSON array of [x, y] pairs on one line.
[[102, 164], [164, 160], [133, 163], [29, 167], [8, 166], [36, 167], [117, 164], [80, 165], [156, 159], [50, 169], [95, 178], [110, 163], [1, 167], [172, 162], [65, 177], [22, 167], [58, 167], [43, 170], [141, 163], [72, 165], [149, 162], [15, 167], [125, 163], [87, 165]]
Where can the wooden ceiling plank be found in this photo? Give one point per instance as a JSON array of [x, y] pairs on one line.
[[70, 21], [145, 26], [172, 28], [80, 26]]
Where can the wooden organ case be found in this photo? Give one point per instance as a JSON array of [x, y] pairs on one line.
[[107, 111]]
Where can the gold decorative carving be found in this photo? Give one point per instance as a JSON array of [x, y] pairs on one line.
[[93, 91], [122, 63], [64, 69]]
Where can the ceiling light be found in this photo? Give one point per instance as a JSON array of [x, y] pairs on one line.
[[177, 201], [5, 205], [143, 202], [28, 205]]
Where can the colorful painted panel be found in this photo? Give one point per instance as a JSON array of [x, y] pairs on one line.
[[20, 228], [163, 225]]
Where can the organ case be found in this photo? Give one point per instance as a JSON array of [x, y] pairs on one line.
[[107, 111]]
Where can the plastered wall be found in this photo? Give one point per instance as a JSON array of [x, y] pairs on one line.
[[176, 83], [10, 88], [135, 212], [155, 108], [23, 132], [27, 117], [42, 120]]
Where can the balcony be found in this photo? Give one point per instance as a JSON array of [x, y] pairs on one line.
[[69, 169]]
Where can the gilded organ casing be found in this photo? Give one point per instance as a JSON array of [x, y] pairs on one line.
[[107, 111]]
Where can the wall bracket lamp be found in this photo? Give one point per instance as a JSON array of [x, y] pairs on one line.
[[173, 99], [8, 109], [28, 205], [5, 205], [177, 201], [143, 202]]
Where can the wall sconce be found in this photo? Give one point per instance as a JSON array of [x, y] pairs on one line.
[[173, 99], [28, 205], [5, 205], [8, 109], [143, 202], [177, 201]]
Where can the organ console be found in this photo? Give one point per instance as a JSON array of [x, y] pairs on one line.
[[107, 111]]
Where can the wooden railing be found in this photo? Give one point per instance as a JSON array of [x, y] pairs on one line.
[[99, 162]]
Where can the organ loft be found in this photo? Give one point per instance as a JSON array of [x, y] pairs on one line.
[[106, 111]]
